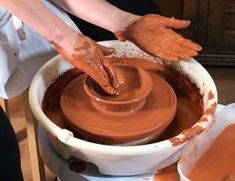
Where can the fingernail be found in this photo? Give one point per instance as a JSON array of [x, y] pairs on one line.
[[116, 85], [189, 58], [116, 92], [194, 54], [175, 59], [199, 48]]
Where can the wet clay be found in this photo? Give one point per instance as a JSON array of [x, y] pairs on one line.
[[189, 100], [134, 84], [115, 126], [153, 34], [218, 162], [169, 173], [89, 56]]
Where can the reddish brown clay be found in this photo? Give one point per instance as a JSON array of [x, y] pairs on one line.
[[135, 84], [217, 163], [189, 100], [210, 95], [153, 34], [169, 173], [118, 125]]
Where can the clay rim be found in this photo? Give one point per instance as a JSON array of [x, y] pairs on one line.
[[147, 78]]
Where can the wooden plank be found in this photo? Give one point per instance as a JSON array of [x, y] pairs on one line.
[[38, 169], [221, 32], [2, 103], [5, 105]]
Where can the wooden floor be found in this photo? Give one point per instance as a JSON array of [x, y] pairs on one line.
[[224, 78]]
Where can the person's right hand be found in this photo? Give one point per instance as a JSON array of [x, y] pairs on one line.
[[89, 56], [154, 34]]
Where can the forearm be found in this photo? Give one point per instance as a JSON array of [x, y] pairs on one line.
[[99, 12], [41, 19]]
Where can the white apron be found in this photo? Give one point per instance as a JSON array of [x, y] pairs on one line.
[[22, 52]]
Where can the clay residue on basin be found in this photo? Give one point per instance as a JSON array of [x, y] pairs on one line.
[[218, 161], [168, 173], [189, 100]]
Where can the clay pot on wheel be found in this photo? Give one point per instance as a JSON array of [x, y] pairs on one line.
[[125, 119]]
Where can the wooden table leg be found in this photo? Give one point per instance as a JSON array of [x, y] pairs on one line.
[[7, 111], [38, 168], [5, 106]]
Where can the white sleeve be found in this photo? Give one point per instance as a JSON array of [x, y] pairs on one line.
[[22, 56], [9, 49]]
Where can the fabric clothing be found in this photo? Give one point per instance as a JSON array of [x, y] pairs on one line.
[[10, 168], [22, 51]]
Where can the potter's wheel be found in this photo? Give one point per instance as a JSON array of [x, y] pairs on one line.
[[51, 80], [54, 161], [119, 127]]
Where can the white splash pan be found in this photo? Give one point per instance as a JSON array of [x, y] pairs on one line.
[[120, 160], [198, 146]]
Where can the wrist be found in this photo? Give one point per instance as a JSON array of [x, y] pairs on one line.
[[66, 40], [124, 19]]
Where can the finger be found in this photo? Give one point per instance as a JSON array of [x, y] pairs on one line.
[[182, 55], [97, 73], [94, 71], [176, 23], [104, 74], [188, 51], [183, 50], [188, 43], [120, 35], [168, 57], [171, 41], [164, 54], [112, 75], [106, 50], [105, 85], [172, 49]]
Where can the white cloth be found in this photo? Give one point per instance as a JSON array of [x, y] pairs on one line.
[[22, 52]]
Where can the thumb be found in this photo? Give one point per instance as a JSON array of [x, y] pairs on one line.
[[176, 23], [120, 35]]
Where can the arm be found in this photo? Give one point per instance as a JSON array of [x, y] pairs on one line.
[[100, 13], [78, 49], [42, 20], [152, 33]]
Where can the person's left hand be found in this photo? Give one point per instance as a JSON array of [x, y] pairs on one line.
[[153, 34]]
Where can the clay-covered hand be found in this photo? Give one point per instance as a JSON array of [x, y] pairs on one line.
[[89, 56], [153, 34]]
